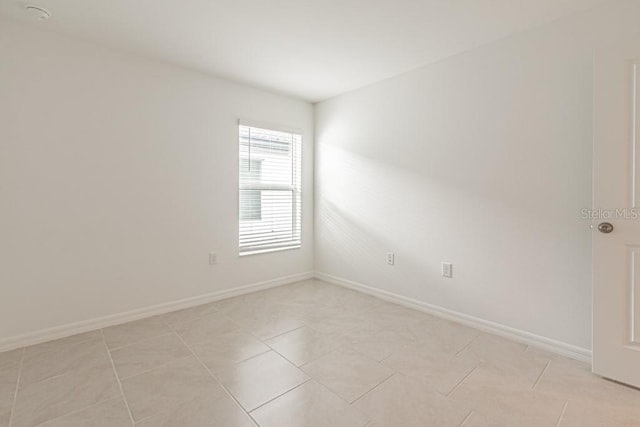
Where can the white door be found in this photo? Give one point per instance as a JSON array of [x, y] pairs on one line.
[[616, 198]]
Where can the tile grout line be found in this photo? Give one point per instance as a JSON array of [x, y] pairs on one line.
[[15, 394], [467, 345], [215, 379], [284, 357], [192, 353], [164, 365], [564, 409], [343, 399], [375, 387], [369, 391], [77, 411], [302, 364], [247, 330], [139, 342], [467, 418], [82, 341], [387, 358], [174, 327], [239, 361], [61, 374], [280, 395], [330, 333], [453, 390], [541, 374], [113, 367], [44, 380], [51, 378], [200, 316], [264, 340]]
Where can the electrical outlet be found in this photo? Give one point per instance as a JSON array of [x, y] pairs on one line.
[[213, 258], [447, 270], [391, 258]]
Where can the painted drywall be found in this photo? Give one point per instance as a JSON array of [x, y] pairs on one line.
[[118, 176], [482, 160]]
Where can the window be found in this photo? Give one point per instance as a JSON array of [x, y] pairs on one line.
[[270, 190], [250, 200]]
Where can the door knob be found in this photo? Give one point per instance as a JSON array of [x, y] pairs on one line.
[[605, 227]]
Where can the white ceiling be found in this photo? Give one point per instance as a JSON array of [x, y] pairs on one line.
[[309, 49]]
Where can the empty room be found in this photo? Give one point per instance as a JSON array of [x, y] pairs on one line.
[[297, 213]]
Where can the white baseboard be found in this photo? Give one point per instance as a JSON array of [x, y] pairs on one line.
[[524, 337], [67, 330]]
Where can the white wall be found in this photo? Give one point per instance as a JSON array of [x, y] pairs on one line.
[[118, 175], [482, 160]]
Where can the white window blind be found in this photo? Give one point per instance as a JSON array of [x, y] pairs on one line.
[[270, 189]]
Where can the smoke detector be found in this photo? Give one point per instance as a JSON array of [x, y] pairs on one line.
[[37, 12]]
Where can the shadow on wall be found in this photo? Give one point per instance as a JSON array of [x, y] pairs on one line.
[[365, 208]]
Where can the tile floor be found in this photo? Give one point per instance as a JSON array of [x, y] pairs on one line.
[[308, 354]]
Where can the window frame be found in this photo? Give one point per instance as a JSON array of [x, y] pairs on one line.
[[296, 189]]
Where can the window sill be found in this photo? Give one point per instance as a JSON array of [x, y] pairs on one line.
[[267, 250]]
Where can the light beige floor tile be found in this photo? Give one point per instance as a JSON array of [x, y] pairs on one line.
[[62, 343], [269, 326], [377, 343], [425, 327], [260, 379], [538, 353], [176, 317], [223, 351], [444, 335], [148, 354], [8, 383], [110, 413], [574, 381], [277, 309], [508, 403], [57, 396], [70, 381], [296, 307], [167, 387], [61, 358], [243, 306], [508, 360], [307, 294], [133, 332], [347, 373], [205, 328], [217, 410], [439, 369], [303, 345], [393, 316], [479, 420], [335, 320], [228, 304], [505, 376], [354, 301], [487, 346], [407, 402], [11, 357], [599, 414], [311, 308], [310, 405]]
